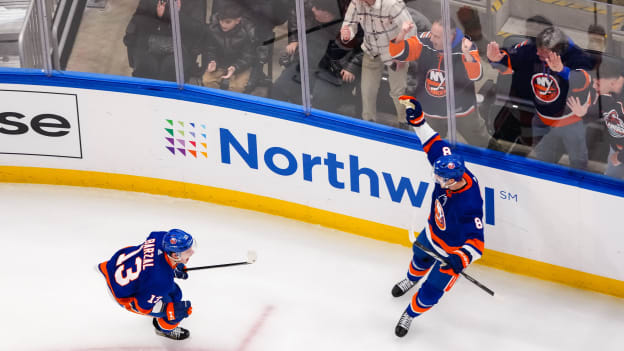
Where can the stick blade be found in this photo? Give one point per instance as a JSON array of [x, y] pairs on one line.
[[252, 256]]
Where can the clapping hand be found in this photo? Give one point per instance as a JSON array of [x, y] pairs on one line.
[[553, 60], [494, 53], [229, 73], [345, 34], [574, 103]]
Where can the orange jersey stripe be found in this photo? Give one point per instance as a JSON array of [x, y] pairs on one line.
[[465, 187], [473, 69], [509, 70], [415, 307], [440, 242], [560, 122], [478, 244], [587, 82], [429, 143], [125, 302], [415, 48], [417, 273]]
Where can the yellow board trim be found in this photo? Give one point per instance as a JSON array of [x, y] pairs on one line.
[[495, 259]]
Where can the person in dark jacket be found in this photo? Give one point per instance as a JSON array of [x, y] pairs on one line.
[[334, 67], [229, 49], [265, 15], [558, 69], [150, 43], [608, 108]]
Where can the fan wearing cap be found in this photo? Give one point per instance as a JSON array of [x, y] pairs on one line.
[[454, 229], [141, 279]]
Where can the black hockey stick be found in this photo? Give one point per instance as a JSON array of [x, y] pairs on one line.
[[439, 258], [251, 258]]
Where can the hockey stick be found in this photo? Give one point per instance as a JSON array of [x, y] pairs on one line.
[[437, 257], [251, 258]]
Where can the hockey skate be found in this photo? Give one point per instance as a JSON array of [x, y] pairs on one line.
[[178, 333], [402, 287], [403, 326]]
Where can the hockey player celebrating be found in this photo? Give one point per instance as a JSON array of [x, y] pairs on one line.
[[141, 280], [454, 228]]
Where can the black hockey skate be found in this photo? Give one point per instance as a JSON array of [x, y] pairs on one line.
[[402, 287], [403, 326], [178, 333]]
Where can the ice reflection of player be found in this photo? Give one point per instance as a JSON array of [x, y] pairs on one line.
[[454, 229]]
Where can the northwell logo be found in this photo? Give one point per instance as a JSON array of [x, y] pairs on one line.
[[186, 139], [341, 172]]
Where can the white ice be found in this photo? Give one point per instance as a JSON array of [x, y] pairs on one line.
[[312, 288]]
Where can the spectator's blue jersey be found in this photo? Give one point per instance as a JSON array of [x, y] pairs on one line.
[[548, 89], [141, 276], [455, 218]]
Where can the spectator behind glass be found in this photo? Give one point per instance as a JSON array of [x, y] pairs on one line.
[[334, 68], [596, 43], [428, 49], [228, 49], [381, 21], [265, 15], [558, 69], [150, 43], [608, 83]]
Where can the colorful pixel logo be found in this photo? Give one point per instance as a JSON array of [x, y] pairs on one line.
[[187, 139]]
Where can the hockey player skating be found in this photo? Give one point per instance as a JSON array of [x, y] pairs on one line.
[[140, 279], [454, 228]]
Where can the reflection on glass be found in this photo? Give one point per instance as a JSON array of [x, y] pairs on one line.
[[149, 41], [237, 45], [553, 83], [138, 40], [334, 67], [380, 22], [20, 37]]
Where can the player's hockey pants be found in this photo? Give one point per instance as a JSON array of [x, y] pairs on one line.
[[436, 284]]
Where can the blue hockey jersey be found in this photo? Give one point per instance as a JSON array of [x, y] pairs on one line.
[[455, 217], [548, 89], [141, 276]]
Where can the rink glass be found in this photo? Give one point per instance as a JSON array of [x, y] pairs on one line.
[[135, 36]]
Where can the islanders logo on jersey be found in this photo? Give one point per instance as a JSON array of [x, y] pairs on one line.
[[545, 87], [439, 215], [435, 83], [614, 124]]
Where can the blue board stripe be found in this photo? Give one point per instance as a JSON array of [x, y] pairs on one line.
[[318, 119], [489, 206]]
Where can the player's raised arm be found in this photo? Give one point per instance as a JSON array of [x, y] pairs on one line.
[[432, 144]]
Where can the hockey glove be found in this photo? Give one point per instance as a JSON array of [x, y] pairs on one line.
[[457, 260], [178, 310], [413, 111], [180, 271]]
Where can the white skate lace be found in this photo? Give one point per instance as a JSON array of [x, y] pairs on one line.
[[405, 320], [405, 284], [176, 332]]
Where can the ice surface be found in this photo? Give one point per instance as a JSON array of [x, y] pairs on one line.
[[312, 288]]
